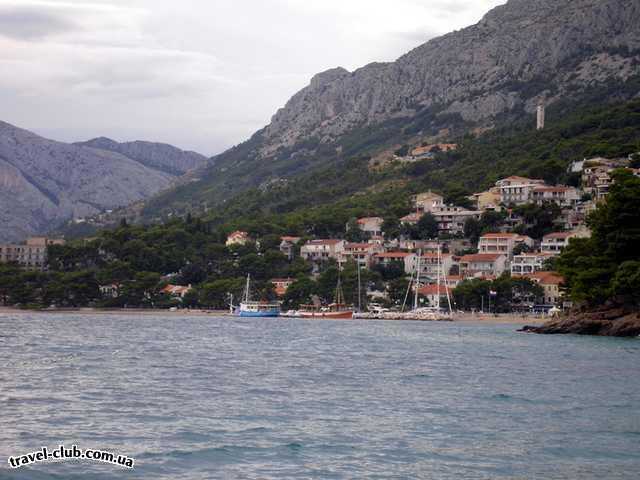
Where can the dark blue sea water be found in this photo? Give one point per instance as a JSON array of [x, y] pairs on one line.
[[201, 397]]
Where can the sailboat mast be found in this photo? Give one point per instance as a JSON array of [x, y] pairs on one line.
[[359, 291], [438, 279], [415, 298], [246, 291]]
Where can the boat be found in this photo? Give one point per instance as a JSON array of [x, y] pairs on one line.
[[426, 314], [336, 311], [249, 308]]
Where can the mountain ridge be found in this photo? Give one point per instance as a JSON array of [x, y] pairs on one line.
[[474, 79], [44, 183], [156, 155]]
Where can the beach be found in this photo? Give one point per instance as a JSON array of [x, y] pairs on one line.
[[464, 318]]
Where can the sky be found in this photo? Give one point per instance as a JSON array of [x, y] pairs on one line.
[[199, 74]]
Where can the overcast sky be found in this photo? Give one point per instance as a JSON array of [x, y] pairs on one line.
[[200, 74]]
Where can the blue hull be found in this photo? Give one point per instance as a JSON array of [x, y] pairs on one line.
[[258, 314]]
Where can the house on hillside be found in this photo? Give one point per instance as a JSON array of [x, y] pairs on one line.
[[560, 195], [551, 283], [451, 219], [370, 225], [322, 250], [281, 285], [517, 190], [237, 238], [288, 245], [483, 265], [406, 259], [502, 243], [428, 201], [431, 267], [554, 243], [361, 253], [412, 218], [487, 200], [176, 291], [527, 263]]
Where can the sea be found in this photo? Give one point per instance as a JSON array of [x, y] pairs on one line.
[[199, 397]]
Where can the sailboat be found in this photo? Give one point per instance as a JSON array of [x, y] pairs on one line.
[[337, 310], [432, 313], [256, 309]]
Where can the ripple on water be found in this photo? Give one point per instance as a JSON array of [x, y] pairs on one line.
[[202, 397]]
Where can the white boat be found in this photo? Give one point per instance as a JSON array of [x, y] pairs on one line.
[[431, 314], [249, 308]]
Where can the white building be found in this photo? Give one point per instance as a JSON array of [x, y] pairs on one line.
[[431, 268], [483, 265], [406, 259], [371, 225], [527, 263], [554, 243], [428, 201], [451, 219], [517, 190], [31, 255], [560, 195], [322, 250], [502, 243], [361, 253]]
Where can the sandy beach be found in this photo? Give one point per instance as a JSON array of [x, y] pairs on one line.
[[469, 318]]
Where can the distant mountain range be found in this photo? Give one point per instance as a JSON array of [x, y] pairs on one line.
[[494, 73], [44, 183]]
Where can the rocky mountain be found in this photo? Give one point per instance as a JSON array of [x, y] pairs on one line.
[[520, 53], [44, 183], [483, 76], [159, 156]]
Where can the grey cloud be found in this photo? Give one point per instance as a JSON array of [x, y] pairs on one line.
[[33, 22]]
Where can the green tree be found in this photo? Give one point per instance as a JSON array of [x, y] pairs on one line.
[[427, 227], [599, 268], [299, 293]]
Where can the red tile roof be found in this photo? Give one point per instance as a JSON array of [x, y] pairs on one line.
[[547, 278], [480, 257], [393, 255], [559, 235], [433, 290], [551, 189], [329, 241], [500, 235]]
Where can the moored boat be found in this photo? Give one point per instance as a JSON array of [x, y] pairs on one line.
[[337, 310], [250, 308]]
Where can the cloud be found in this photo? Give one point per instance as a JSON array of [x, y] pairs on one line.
[[32, 22], [201, 74]]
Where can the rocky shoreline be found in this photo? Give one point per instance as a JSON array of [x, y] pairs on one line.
[[608, 321]]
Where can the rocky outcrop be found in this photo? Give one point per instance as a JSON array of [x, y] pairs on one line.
[[159, 156], [519, 53], [610, 320], [44, 183]]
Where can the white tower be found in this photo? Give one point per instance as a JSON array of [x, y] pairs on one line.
[[540, 116]]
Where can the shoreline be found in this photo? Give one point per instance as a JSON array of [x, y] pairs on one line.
[[466, 318]]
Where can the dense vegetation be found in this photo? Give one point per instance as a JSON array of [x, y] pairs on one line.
[[141, 259], [351, 188], [314, 173], [607, 265]]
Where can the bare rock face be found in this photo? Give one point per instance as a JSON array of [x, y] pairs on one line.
[[610, 320], [519, 52], [44, 183], [159, 156]]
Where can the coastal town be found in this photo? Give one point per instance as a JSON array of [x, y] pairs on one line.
[[494, 234]]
